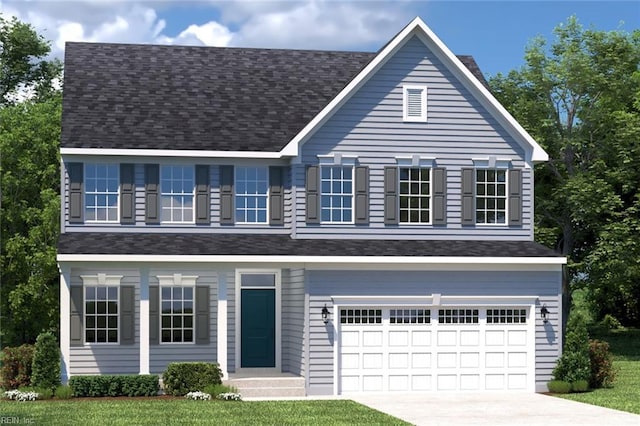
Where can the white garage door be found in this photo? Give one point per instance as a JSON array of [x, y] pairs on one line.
[[385, 349]]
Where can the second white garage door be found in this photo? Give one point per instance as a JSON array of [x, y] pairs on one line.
[[385, 349]]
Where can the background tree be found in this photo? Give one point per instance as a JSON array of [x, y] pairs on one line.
[[579, 98], [30, 184]]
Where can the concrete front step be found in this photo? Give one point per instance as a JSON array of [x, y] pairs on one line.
[[279, 386]]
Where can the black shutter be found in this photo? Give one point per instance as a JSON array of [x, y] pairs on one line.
[[313, 194], [361, 195], [154, 315], [76, 319], [152, 193], [76, 178], [127, 315], [127, 194], [391, 195], [515, 197], [468, 196], [203, 191], [226, 195], [276, 195], [439, 196], [202, 315]]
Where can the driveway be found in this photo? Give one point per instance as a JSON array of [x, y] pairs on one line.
[[488, 408]]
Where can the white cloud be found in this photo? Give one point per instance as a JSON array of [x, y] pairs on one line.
[[209, 34]]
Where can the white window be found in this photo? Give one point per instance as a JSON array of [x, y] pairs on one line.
[[252, 193], [177, 304], [415, 195], [458, 316], [177, 193], [491, 196], [101, 188], [506, 316], [101, 314], [336, 183], [414, 103]]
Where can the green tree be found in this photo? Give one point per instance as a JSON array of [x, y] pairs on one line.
[[45, 367], [574, 364], [30, 184], [578, 97], [22, 62]]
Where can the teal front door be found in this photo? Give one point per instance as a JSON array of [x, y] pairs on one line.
[[258, 328]]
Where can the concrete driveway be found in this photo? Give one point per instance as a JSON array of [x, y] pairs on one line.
[[516, 409]]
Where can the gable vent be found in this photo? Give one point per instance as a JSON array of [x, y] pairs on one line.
[[415, 103]]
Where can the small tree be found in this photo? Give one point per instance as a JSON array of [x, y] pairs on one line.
[[574, 365], [46, 362]]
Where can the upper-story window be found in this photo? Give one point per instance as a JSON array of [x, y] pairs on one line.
[[251, 194], [336, 197], [491, 196], [415, 195], [177, 192], [101, 192], [414, 103]]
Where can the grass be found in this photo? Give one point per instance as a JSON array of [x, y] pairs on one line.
[[625, 393], [173, 412]]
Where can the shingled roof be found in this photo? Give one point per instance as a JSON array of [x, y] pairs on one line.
[[199, 98], [283, 245]]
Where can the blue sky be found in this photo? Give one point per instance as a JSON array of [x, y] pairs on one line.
[[494, 32]]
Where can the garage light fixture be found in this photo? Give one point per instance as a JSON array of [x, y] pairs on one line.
[[325, 314], [544, 314]]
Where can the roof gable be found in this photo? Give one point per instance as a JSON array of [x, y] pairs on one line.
[[463, 71]]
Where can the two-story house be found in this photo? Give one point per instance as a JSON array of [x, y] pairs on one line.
[[361, 221]]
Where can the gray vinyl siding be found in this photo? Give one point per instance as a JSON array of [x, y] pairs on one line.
[[324, 284], [107, 358], [214, 205], [457, 130], [164, 353], [293, 324]]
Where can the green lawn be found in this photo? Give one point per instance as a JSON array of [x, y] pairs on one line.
[[173, 412], [625, 393]]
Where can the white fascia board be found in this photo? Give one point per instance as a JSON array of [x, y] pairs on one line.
[[428, 299], [419, 28], [171, 153], [324, 260]]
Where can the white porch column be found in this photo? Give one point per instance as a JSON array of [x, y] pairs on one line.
[[144, 320], [222, 323], [65, 322]]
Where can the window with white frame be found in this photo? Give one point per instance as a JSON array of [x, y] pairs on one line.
[[101, 314], [177, 193], [177, 317], [101, 190], [336, 198], [415, 195], [252, 193], [414, 103], [491, 196]]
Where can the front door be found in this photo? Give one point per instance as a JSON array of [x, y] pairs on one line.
[[258, 328]]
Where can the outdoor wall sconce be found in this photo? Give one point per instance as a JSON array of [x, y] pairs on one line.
[[325, 314], [544, 314]]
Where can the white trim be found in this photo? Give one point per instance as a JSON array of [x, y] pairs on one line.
[[534, 153], [337, 159], [415, 161], [177, 280], [238, 320], [222, 327], [100, 280], [144, 320], [492, 162], [267, 195], [172, 195], [432, 300], [422, 118], [171, 153], [322, 260], [85, 193], [65, 322], [353, 195], [409, 209]]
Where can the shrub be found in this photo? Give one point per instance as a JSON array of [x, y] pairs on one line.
[[602, 372], [215, 390], [183, 377], [580, 386], [574, 364], [114, 385], [46, 362], [559, 386], [43, 393], [64, 392], [610, 322], [16, 366]]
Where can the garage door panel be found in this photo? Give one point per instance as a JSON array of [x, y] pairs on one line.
[[468, 351]]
